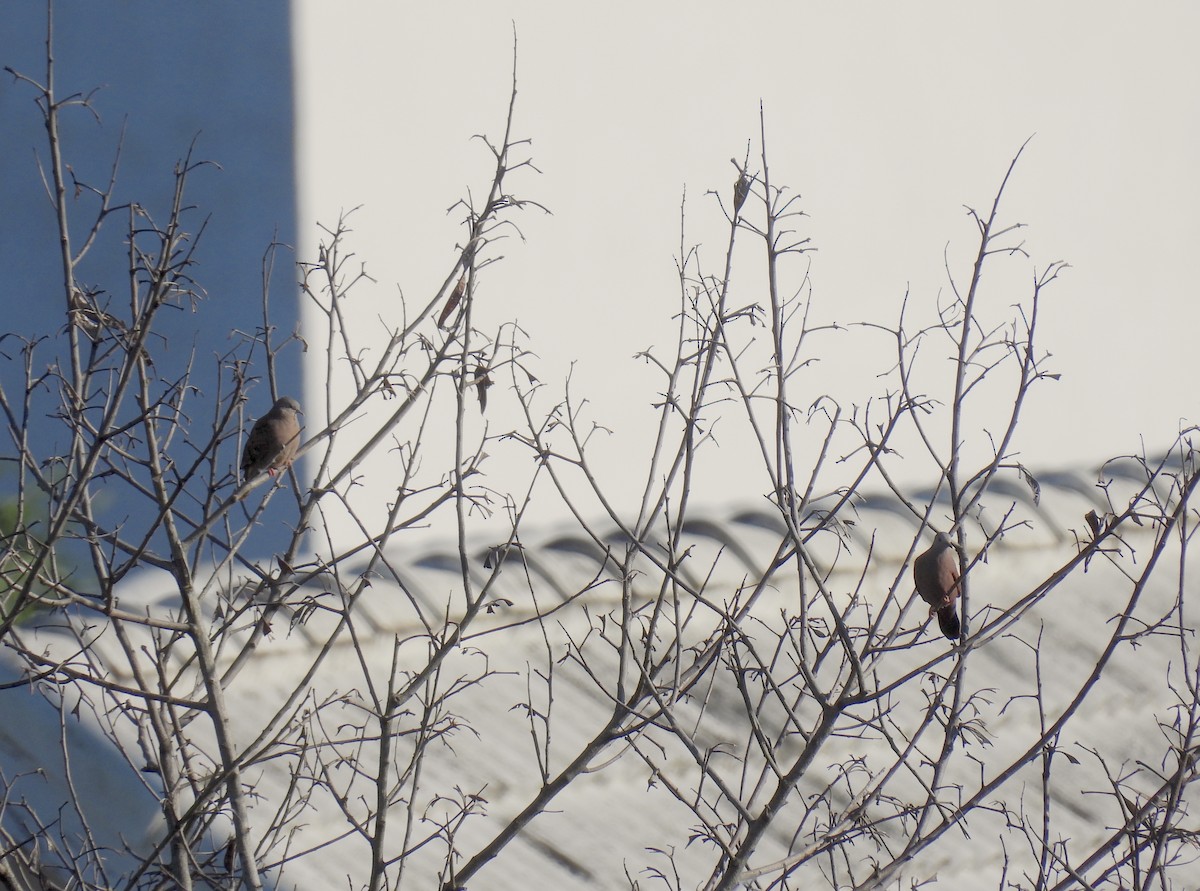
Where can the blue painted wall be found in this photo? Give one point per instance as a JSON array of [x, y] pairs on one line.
[[219, 73]]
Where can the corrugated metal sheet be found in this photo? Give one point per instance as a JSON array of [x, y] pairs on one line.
[[520, 678]]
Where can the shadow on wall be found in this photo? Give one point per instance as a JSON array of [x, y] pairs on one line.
[[57, 766]]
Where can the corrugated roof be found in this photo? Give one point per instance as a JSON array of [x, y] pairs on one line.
[[535, 679]]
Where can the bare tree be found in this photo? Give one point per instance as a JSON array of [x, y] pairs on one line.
[[800, 724]]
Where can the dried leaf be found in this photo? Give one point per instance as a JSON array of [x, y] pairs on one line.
[[482, 382], [741, 189], [497, 554], [1034, 485], [456, 297]]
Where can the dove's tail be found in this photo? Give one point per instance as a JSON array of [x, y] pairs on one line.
[[948, 621]]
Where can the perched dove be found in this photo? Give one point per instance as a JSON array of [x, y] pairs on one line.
[[273, 439], [936, 575]]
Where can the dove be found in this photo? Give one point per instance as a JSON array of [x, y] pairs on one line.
[[936, 575], [273, 439]]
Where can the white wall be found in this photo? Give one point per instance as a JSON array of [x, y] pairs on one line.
[[886, 118]]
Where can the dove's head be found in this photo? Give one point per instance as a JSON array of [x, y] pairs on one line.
[[943, 540]]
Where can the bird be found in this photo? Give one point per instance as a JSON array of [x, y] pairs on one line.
[[936, 575], [273, 439]]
